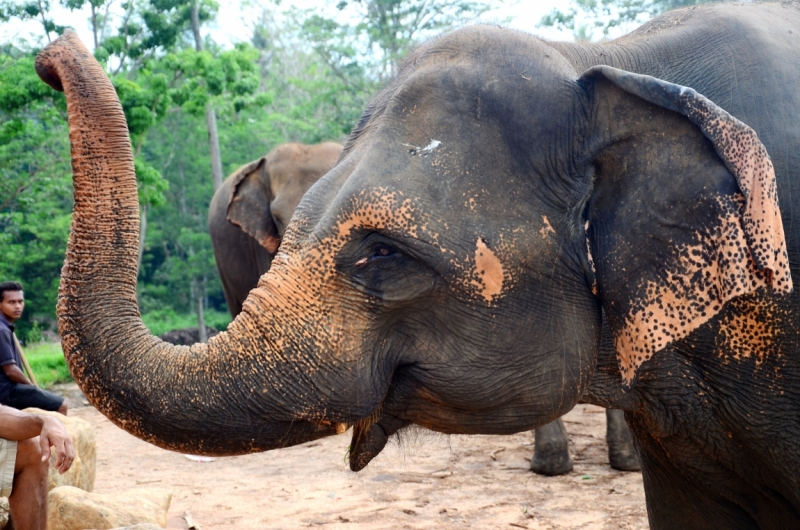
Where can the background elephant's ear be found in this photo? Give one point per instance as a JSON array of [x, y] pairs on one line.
[[691, 237], [249, 204]]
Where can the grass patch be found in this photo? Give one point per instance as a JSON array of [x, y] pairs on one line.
[[47, 362], [163, 320]]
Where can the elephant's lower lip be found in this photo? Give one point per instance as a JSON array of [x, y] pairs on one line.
[[366, 445], [342, 427]]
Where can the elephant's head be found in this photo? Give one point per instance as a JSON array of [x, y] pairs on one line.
[[265, 192], [249, 212], [450, 270]]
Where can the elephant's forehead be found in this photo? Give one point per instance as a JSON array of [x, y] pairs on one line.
[[381, 210]]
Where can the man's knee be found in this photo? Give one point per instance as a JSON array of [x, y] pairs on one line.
[[29, 456], [63, 408]]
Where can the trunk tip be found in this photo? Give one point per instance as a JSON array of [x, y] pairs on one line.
[[46, 59]]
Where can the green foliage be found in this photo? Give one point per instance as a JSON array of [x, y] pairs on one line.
[[144, 104], [33, 245], [585, 18], [34, 334], [152, 185], [160, 321], [36, 10], [229, 78], [147, 30], [48, 364], [35, 185], [384, 30]]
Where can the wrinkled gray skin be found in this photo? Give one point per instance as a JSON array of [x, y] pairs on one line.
[[497, 199], [249, 212]]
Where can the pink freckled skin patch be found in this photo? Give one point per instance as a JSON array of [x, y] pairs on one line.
[[669, 312], [489, 271]]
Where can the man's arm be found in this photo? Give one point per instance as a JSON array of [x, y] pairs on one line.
[[8, 358], [18, 425], [13, 372]]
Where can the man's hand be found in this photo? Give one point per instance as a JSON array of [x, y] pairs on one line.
[[54, 434]]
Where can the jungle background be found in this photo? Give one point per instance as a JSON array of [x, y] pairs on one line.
[[197, 109]]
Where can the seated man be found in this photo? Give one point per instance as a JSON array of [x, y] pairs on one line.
[[24, 455], [16, 390]]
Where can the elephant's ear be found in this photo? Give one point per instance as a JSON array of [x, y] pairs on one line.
[[249, 206], [678, 228]]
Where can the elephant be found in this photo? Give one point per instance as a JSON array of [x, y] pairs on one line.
[[249, 212], [497, 201]]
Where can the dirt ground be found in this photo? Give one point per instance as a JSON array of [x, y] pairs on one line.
[[425, 480]]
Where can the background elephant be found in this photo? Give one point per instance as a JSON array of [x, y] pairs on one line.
[[494, 202], [249, 212], [551, 446]]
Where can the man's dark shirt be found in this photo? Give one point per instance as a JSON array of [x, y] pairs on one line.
[[8, 355]]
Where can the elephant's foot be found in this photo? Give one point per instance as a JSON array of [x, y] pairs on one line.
[[621, 453], [551, 450]]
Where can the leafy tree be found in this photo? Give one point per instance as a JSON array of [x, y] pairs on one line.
[[35, 184], [178, 268], [306, 95], [99, 18], [35, 10], [585, 18], [147, 30], [388, 27]]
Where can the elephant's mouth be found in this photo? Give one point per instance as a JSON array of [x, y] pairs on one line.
[[371, 433]]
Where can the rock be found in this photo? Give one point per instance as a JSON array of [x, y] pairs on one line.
[[71, 508], [82, 472], [187, 336]]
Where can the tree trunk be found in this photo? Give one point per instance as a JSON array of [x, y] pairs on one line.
[[213, 144], [195, 19], [94, 25], [211, 116]]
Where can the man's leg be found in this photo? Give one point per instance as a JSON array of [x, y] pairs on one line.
[[27, 396], [28, 499]]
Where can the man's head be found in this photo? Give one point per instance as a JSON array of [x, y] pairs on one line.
[[12, 300]]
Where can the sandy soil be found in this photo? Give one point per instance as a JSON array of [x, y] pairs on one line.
[[425, 480]]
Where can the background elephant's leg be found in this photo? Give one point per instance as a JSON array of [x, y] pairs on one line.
[[551, 450], [621, 453]]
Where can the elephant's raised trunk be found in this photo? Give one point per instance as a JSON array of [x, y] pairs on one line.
[[205, 399]]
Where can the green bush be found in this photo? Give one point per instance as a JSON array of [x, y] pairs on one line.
[[160, 321], [47, 362], [34, 334]]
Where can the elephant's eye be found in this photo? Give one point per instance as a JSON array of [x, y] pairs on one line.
[[379, 251], [382, 251]]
